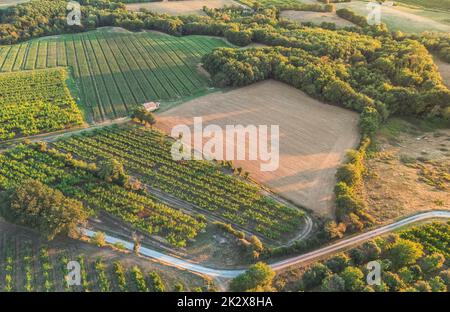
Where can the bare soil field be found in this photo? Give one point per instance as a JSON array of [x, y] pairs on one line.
[[186, 7], [409, 173], [313, 136], [316, 17], [444, 69]]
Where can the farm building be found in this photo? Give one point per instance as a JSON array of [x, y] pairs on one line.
[[151, 106]]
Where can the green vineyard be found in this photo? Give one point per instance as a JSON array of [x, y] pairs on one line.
[[28, 265], [37, 101], [115, 71], [138, 209], [147, 155]]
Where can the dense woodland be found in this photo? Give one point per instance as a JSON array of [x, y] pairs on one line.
[[414, 260]]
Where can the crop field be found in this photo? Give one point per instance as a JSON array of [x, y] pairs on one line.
[[404, 19], [185, 7], [6, 3], [28, 264], [36, 101], [277, 2], [313, 136], [115, 71], [147, 155], [315, 17], [431, 4], [139, 210]]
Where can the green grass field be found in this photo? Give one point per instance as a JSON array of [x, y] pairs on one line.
[[36, 101], [115, 71], [405, 19], [430, 4]]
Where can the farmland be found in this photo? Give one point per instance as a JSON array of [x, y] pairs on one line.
[[115, 71], [410, 20], [139, 210], [315, 136], [29, 264], [362, 147], [185, 7], [315, 17], [36, 101], [147, 155]]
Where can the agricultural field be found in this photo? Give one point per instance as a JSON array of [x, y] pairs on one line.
[[29, 264], [250, 3], [314, 136], [117, 70], [185, 7], [36, 101], [6, 3], [147, 156], [137, 209], [415, 259], [408, 172], [409, 20], [430, 4], [315, 17]]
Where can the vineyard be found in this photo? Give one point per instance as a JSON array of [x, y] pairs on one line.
[[147, 155], [28, 265], [36, 101], [138, 209], [115, 70]]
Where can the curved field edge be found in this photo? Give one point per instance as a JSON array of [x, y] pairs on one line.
[[117, 71]]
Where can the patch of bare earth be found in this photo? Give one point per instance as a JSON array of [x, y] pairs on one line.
[[313, 136], [408, 175], [315, 17], [186, 7], [444, 69]]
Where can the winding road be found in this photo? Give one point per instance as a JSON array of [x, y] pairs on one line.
[[278, 266]]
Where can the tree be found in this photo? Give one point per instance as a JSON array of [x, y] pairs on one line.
[[256, 243], [393, 281], [404, 252], [143, 116], [155, 282], [432, 263], [352, 277], [422, 286], [333, 283], [335, 230], [99, 239], [314, 275], [45, 209], [371, 250], [111, 170], [437, 284], [337, 263], [445, 276], [258, 277]]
